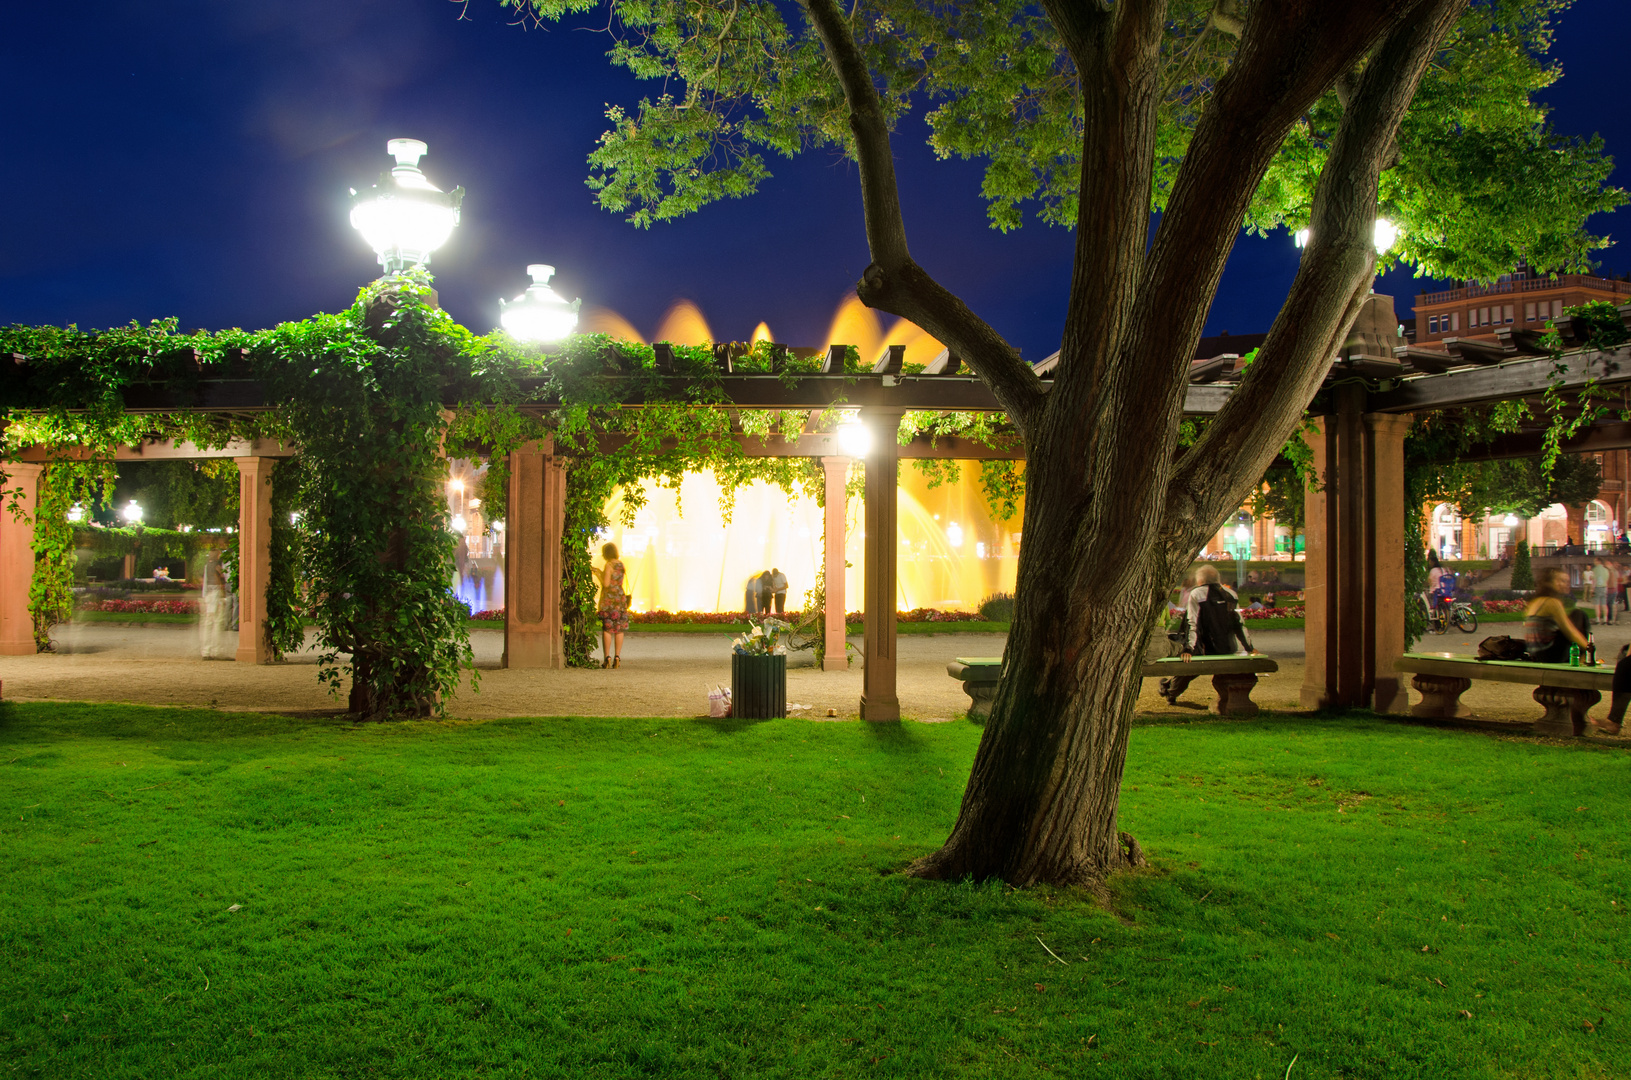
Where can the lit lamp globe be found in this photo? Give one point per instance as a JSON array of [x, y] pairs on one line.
[[540, 313], [405, 217], [1384, 234], [1243, 537], [132, 513], [854, 439]]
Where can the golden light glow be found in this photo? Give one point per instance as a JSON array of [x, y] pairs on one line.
[[952, 554], [601, 320], [853, 324], [684, 325]]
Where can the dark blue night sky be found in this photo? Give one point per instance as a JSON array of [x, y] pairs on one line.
[[191, 158]]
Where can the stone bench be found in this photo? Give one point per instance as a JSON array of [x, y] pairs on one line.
[[1233, 677], [1565, 692]]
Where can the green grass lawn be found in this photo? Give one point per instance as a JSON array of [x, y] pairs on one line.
[[137, 617], [192, 893]]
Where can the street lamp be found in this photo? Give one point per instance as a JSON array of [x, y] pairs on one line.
[[76, 514], [405, 217], [132, 512], [854, 439], [539, 314], [1384, 234]]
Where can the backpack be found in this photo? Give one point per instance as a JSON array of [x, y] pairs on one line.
[[1446, 584], [1215, 623], [1501, 647]]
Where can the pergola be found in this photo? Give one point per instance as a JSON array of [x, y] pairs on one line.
[[1355, 521]]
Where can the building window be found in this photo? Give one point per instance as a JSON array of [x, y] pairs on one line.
[[1432, 324], [1529, 312], [1507, 312], [1455, 320], [1557, 309]]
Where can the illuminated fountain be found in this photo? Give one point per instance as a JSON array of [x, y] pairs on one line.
[[953, 552], [853, 324]]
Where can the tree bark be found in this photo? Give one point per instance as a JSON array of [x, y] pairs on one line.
[[1110, 520]]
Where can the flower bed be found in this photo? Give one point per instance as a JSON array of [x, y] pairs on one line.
[[490, 615], [1272, 613], [143, 607], [1495, 607]]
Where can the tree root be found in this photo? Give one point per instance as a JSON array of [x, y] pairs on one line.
[[1131, 851]]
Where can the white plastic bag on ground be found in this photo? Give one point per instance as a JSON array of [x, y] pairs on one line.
[[719, 701]]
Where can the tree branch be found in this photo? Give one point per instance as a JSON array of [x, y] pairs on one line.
[[1331, 286], [894, 282]]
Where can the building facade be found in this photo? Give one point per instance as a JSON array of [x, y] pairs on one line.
[[1521, 300]]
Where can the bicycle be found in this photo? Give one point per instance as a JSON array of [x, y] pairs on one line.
[[1458, 613]]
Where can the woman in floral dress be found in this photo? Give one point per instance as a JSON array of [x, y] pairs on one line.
[[614, 606]]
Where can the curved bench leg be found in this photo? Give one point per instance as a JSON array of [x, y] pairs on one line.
[[1565, 710], [1440, 696], [980, 697], [1234, 694]]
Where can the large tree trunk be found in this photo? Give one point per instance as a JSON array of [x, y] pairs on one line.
[[1113, 515], [1042, 796]]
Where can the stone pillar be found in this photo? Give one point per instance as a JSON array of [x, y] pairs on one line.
[[879, 701], [17, 559], [1577, 524], [836, 469], [1355, 560], [1384, 585], [532, 558], [254, 556]]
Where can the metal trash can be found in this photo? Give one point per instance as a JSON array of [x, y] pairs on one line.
[[758, 686]]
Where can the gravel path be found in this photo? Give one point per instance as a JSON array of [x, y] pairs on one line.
[[662, 675]]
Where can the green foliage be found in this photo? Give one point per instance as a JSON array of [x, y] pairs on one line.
[[285, 631], [1521, 486], [1523, 574], [1480, 180], [363, 393], [998, 607], [62, 485]]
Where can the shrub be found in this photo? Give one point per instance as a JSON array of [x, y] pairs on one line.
[[1523, 576], [998, 607]]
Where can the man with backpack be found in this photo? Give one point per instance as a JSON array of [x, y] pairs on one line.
[[1214, 625]]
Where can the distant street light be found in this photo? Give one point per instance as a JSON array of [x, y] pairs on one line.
[[76, 514], [1511, 520], [540, 313], [1384, 235], [459, 524], [132, 512], [405, 217]]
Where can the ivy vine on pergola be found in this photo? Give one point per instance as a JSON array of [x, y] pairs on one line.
[[350, 418]]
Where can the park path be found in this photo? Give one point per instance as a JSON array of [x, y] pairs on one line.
[[662, 675]]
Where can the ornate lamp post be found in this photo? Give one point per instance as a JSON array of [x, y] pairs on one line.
[[540, 313], [405, 217]]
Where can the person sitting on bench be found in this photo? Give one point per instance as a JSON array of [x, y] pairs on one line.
[[1214, 625]]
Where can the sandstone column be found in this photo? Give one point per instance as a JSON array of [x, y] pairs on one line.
[[1354, 605], [879, 701], [836, 470], [532, 558], [17, 560], [254, 556]]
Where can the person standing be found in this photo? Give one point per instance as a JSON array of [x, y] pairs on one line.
[[614, 606], [778, 589], [1215, 626], [1600, 578], [766, 593]]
